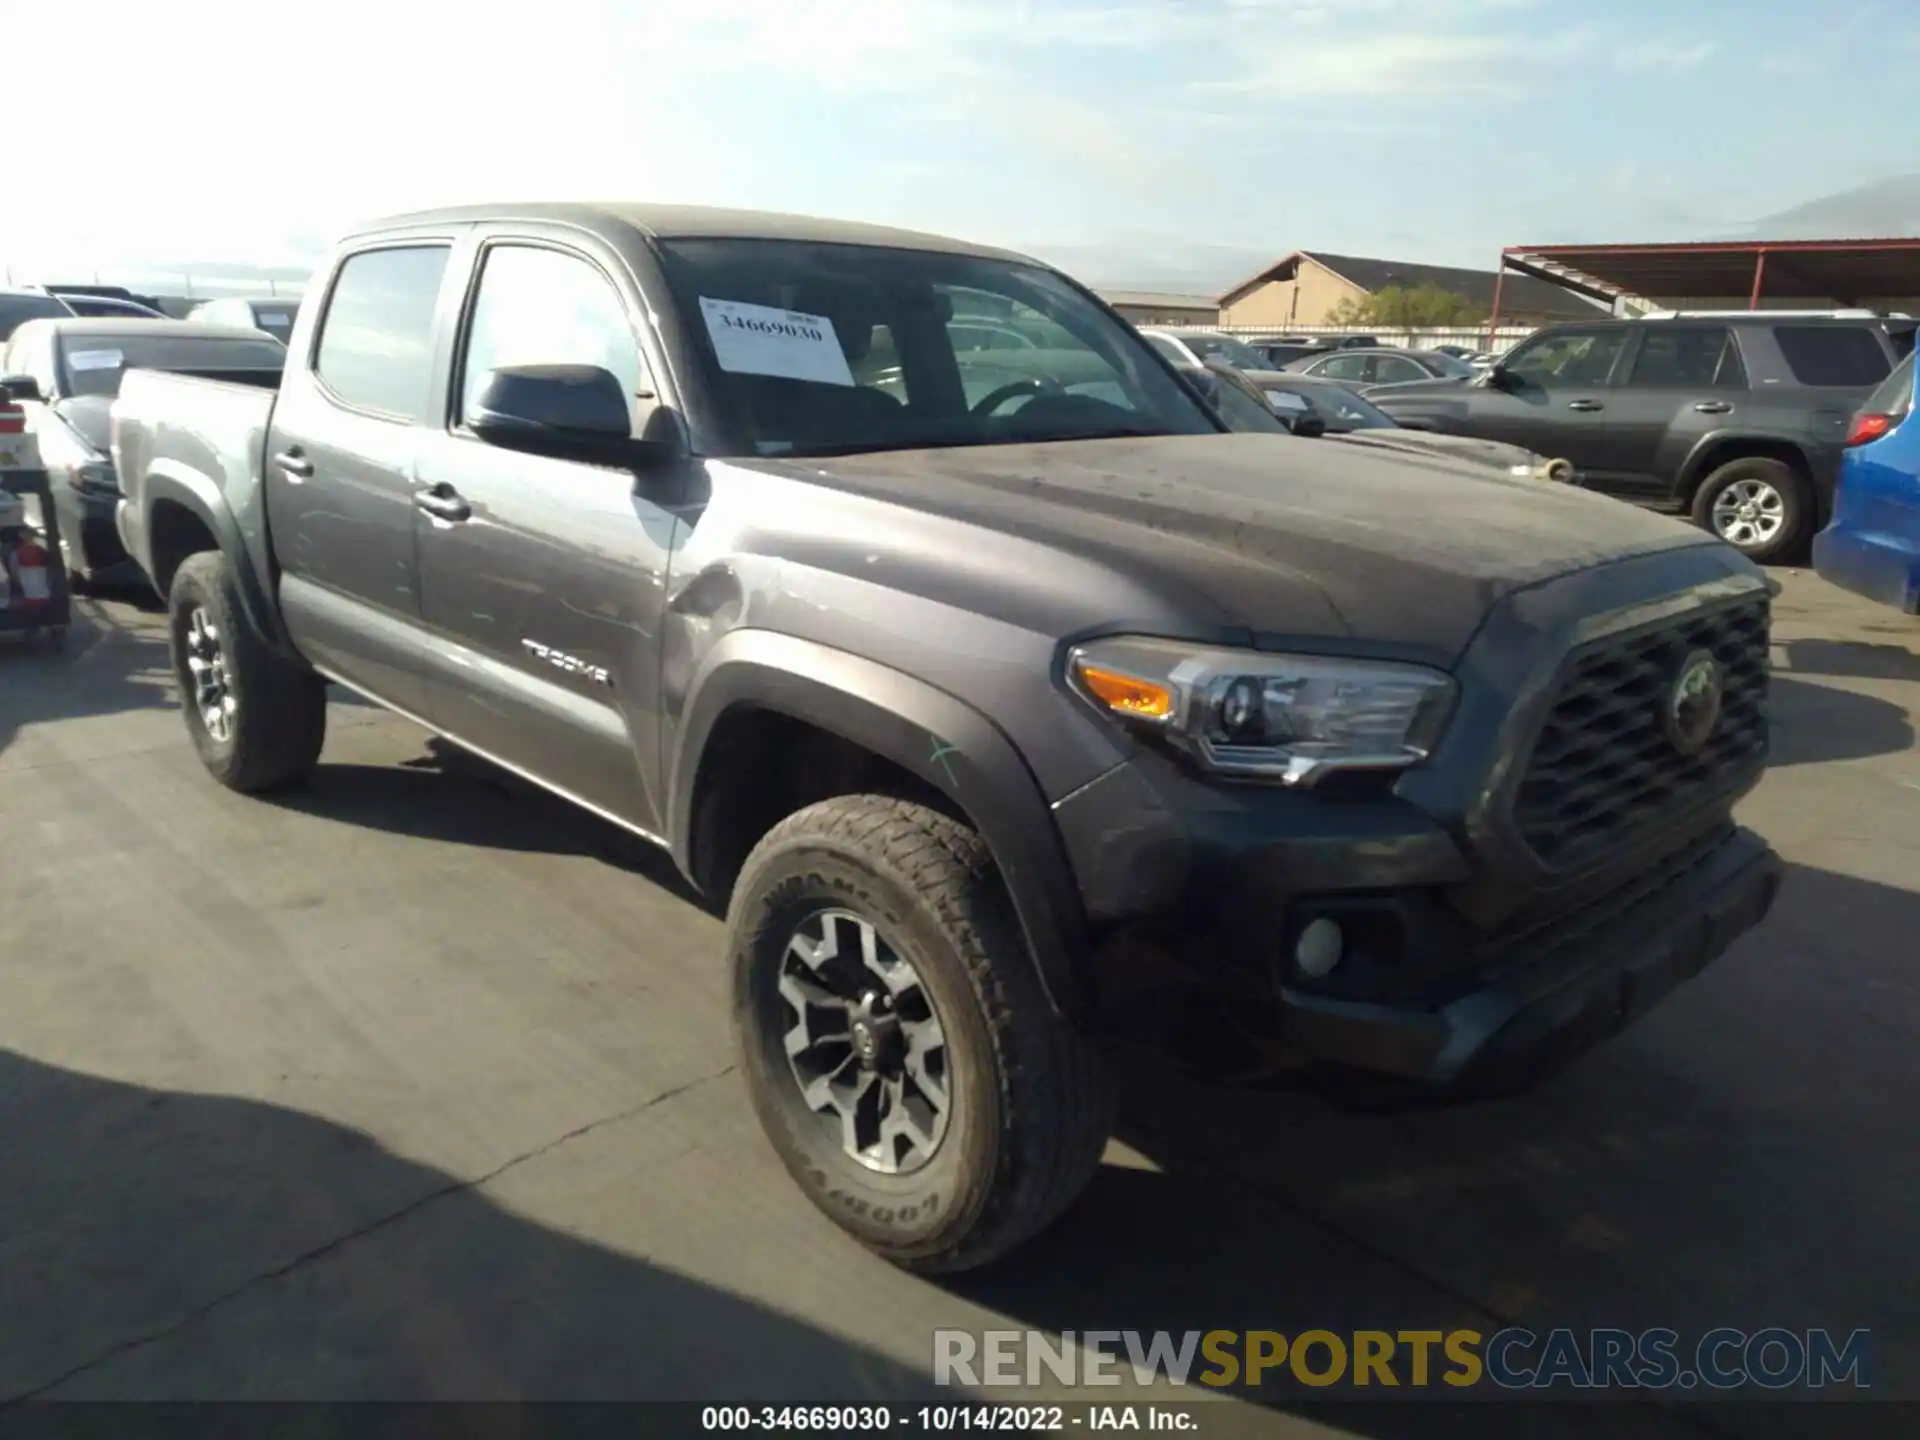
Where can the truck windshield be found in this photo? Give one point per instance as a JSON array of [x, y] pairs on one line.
[[92, 364], [821, 349]]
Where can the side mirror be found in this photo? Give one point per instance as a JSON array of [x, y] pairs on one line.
[[567, 412], [21, 387], [1501, 378]]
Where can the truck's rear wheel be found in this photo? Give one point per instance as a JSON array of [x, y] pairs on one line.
[[257, 720], [898, 1047]]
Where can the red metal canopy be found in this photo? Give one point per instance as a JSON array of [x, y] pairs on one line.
[[1828, 272]]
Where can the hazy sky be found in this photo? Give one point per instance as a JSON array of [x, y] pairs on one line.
[[1124, 133]]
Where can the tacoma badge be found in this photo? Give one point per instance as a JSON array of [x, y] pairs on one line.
[[572, 664]]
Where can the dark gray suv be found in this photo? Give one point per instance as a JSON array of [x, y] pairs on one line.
[[1735, 420]]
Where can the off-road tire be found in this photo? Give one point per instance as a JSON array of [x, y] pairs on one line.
[[1032, 1097], [281, 719], [1796, 532]]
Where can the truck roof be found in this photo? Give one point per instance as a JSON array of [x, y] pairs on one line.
[[679, 222], [135, 325]]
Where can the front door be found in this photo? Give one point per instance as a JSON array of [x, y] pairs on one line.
[[339, 467], [543, 581], [1552, 396]]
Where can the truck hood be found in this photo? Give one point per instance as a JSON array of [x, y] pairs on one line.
[[1496, 453], [1268, 535]]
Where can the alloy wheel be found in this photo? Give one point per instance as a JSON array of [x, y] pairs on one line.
[[864, 1043], [1749, 513], [213, 695]]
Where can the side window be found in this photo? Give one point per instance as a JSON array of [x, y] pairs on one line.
[[1696, 356], [376, 339], [1343, 367], [540, 307], [1393, 368], [1833, 354], [1568, 358]]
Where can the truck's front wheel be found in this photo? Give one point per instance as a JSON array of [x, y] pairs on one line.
[[897, 1044], [257, 720]]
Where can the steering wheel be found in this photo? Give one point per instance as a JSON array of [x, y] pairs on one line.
[[1034, 385]]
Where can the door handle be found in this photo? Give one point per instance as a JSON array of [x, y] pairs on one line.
[[1587, 406], [442, 502], [1713, 407], [296, 465]]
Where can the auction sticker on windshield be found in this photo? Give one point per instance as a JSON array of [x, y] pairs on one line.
[[95, 360], [760, 340]]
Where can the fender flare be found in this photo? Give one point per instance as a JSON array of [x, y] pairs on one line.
[[927, 732], [195, 493], [1694, 471]]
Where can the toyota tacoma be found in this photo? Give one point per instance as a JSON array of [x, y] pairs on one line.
[[985, 706]]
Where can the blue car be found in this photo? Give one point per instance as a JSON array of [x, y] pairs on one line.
[[1873, 545]]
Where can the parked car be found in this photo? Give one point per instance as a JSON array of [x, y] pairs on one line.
[[1190, 350], [1872, 546], [956, 704], [1738, 420], [1281, 350], [275, 316], [1245, 408], [1342, 414], [1383, 367], [68, 372], [19, 306], [106, 307], [1196, 347]]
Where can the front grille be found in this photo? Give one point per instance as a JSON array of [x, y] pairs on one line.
[[1604, 773]]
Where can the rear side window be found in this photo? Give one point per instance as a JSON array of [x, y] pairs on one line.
[[376, 339], [1895, 395], [1837, 355], [1687, 356]]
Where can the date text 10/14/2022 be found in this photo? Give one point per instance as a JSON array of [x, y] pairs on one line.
[[948, 1419]]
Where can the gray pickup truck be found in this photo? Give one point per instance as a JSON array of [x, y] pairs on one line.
[[996, 693]]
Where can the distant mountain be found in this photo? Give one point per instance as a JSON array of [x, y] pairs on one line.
[[1881, 209]]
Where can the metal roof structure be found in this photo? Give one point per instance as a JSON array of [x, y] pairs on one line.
[[1837, 272], [1481, 287]]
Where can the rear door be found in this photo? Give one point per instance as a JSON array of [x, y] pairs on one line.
[[339, 468], [543, 581], [1681, 383]]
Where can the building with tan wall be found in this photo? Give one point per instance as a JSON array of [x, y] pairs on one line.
[[1304, 288], [1155, 307]]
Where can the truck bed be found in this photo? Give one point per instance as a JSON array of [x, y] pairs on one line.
[[201, 432]]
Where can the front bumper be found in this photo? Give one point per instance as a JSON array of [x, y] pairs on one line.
[[89, 525], [1582, 980]]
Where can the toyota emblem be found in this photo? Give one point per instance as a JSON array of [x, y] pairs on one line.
[[1693, 701]]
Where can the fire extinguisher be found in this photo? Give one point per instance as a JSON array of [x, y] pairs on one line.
[[30, 566]]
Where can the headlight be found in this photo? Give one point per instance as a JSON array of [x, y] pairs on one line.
[[1257, 716]]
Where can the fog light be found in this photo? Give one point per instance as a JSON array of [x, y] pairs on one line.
[[1318, 949]]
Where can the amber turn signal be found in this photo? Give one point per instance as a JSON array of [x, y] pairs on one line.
[[1127, 694]]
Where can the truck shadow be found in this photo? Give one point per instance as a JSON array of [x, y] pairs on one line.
[[167, 1244]]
